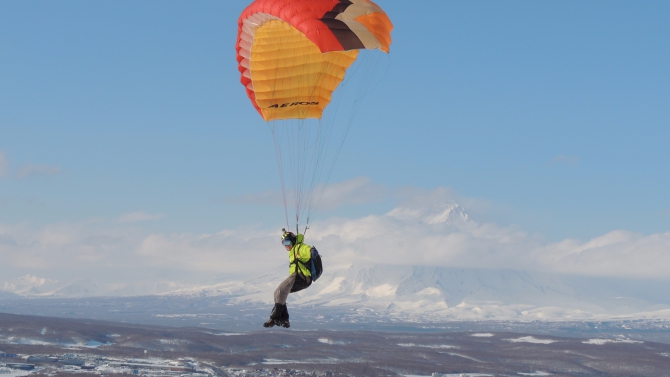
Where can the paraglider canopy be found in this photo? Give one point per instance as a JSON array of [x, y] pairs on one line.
[[293, 56]]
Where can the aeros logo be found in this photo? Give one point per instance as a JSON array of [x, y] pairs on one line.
[[291, 104]]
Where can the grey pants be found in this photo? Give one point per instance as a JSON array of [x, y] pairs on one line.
[[293, 283]]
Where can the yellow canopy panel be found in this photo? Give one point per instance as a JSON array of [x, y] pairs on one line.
[[290, 76]]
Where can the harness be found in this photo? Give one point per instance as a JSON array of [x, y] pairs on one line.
[[297, 260]]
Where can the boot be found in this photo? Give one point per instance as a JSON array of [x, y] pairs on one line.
[[282, 319], [277, 312]]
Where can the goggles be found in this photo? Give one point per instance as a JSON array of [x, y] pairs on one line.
[[286, 242]]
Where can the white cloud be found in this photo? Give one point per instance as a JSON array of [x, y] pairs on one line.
[[618, 253], [242, 251], [57, 246], [116, 252], [27, 284], [4, 165], [356, 191], [134, 217], [437, 235], [27, 170], [37, 170], [435, 232]]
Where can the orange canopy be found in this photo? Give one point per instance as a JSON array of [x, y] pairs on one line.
[[293, 54]]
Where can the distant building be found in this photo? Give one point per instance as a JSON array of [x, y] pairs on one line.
[[72, 361], [20, 366], [164, 367], [41, 359]]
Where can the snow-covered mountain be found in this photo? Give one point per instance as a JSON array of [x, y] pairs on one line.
[[439, 294], [31, 287], [444, 212], [5, 294], [420, 293]]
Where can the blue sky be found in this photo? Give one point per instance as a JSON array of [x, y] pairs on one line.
[[548, 117]]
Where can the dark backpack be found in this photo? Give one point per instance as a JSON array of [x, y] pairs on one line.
[[314, 264]]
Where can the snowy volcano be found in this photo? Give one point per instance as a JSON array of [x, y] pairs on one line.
[[446, 212]]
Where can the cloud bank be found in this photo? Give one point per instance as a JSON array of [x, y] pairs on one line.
[[429, 229]]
